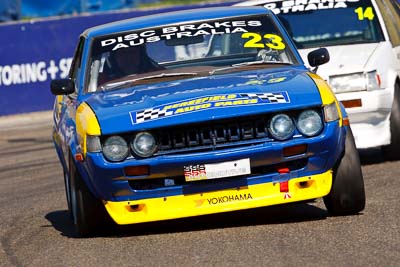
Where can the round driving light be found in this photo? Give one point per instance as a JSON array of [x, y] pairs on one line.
[[281, 127], [144, 144], [309, 123], [115, 148]]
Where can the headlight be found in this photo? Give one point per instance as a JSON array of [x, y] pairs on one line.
[[355, 82], [331, 113], [309, 123], [144, 144], [347, 83], [373, 80], [115, 148], [281, 127]]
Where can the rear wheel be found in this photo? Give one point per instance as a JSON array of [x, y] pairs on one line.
[[89, 215], [347, 194], [392, 151]]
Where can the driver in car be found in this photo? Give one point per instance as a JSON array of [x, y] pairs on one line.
[[127, 61]]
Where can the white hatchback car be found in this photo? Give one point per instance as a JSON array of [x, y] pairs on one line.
[[363, 39]]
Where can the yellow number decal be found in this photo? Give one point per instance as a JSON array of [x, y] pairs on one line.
[[276, 41], [360, 13], [367, 14], [276, 80], [254, 41]]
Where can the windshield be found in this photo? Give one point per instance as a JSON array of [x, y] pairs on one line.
[[186, 51], [329, 23]]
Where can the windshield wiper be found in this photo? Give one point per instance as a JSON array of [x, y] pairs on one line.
[[259, 62], [157, 76]]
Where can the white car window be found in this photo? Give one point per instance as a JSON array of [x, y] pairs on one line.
[[357, 23]]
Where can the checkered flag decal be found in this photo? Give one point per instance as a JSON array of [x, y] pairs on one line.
[[150, 114], [271, 97]]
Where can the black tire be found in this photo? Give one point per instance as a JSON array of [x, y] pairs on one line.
[[88, 213], [67, 185], [392, 151], [347, 194]]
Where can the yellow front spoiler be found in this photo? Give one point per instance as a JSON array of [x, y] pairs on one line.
[[260, 195]]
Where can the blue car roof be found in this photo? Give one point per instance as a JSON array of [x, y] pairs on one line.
[[173, 18]]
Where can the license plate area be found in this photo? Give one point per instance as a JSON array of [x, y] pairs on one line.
[[217, 170]]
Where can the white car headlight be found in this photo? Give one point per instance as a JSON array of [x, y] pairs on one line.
[[355, 82], [309, 123], [144, 144], [281, 127], [373, 80], [115, 148]]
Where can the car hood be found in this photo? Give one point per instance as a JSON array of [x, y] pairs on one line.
[[203, 99], [344, 59]]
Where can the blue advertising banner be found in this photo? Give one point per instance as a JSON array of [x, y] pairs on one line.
[[43, 8], [34, 53]]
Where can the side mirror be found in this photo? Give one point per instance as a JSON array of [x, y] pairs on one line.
[[62, 87], [318, 57]]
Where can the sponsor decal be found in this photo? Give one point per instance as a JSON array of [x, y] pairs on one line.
[[199, 202], [34, 72], [177, 32], [224, 199], [195, 172], [294, 6], [217, 170], [261, 82], [208, 102]]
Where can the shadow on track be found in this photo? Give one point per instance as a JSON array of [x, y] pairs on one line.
[[62, 222], [371, 156], [281, 214]]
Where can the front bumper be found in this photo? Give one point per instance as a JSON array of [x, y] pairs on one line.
[[128, 204], [372, 118], [252, 196]]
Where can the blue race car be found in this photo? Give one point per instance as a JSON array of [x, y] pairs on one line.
[[198, 112]]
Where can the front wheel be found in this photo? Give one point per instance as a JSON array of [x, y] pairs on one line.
[[347, 194], [67, 186], [89, 215], [392, 151]]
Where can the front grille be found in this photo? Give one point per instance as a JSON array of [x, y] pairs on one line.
[[214, 135]]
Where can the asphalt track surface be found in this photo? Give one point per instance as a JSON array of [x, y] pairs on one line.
[[35, 229]]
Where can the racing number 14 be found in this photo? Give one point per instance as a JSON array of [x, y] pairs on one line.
[[368, 13], [274, 41]]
